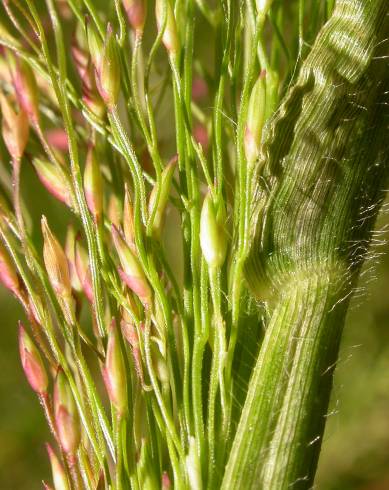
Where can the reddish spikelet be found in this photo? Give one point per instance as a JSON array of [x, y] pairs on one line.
[[55, 260], [170, 36], [84, 66], [57, 268], [58, 139], [8, 275], [32, 362], [131, 273], [166, 484], [53, 180], [60, 478], [136, 14], [66, 415], [114, 372], [15, 128], [26, 89], [130, 333], [108, 70]]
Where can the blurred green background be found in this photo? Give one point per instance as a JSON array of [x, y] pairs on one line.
[[355, 453]]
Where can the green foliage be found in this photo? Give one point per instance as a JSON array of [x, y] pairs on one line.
[[185, 174]]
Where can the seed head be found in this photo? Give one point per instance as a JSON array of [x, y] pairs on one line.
[[66, 415], [136, 14], [166, 483], [108, 71], [255, 119], [26, 89], [85, 69], [60, 479], [114, 372], [170, 35], [32, 362], [54, 181], [159, 197], [55, 260], [15, 128], [213, 238], [95, 44], [8, 275], [132, 272], [93, 184], [57, 268]]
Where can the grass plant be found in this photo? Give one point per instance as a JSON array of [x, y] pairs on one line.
[[220, 165]]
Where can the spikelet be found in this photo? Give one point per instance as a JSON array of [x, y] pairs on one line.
[[32, 362], [170, 35], [136, 14], [57, 268], [159, 198], [60, 478], [66, 415], [255, 119], [8, 275], [213, 238], [114, 372], [53, 180], [15, 128], [93, 184], [131, 272]]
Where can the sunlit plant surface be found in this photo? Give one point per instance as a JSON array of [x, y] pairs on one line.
[[221, 165]]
